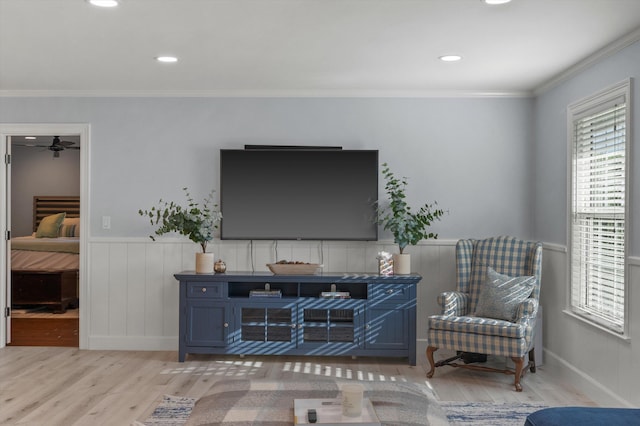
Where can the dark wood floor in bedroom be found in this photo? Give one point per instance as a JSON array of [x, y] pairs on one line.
[[41, 327]]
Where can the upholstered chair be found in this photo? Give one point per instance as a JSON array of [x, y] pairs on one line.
[[493, 310]]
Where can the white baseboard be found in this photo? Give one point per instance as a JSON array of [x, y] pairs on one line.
[[133, 343], [581, 380]]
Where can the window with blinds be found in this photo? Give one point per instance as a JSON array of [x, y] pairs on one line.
[[599, 128]]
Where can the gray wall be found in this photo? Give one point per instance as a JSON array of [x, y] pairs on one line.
[[470, 155], [582, 346], [550, 148], [34, 171]]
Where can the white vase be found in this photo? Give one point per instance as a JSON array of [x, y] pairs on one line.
[[401, 264], [204, 263]]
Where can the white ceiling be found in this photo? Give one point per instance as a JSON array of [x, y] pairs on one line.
[[302, 47]]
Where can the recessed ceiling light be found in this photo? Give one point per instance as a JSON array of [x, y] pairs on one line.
[[104, 3], [450, 58], [496, 1], [166, 59]]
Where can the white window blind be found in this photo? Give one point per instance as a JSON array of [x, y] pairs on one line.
[[599, 176]]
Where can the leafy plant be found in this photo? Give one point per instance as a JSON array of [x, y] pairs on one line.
[[408, 227], [195, 221]]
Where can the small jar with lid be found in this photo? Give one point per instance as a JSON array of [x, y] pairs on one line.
[[220, 266]]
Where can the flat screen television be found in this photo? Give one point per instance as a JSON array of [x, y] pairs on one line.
[[298, 194]]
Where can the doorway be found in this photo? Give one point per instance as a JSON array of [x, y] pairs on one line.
[[44, 167], [45, 184]]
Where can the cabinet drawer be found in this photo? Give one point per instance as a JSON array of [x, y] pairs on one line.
[[381, 293], [206, 290]]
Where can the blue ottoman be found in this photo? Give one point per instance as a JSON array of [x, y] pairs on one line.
[[584, 416]]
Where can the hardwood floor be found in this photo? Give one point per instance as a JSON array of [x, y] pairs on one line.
[[42, 327], [66, 386]]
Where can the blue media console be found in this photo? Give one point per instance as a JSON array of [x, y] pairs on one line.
[[262, 313]]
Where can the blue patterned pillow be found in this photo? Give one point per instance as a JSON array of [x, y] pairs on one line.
[[501, 295]]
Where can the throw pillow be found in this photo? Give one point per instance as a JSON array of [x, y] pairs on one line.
[[501, 294], [50, 225], [70, 227]]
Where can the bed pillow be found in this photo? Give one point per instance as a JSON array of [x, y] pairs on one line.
[[501, 294], [50, 225], [70, 227]]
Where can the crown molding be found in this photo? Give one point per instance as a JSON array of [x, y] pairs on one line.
[[263, 94], [609, 50]]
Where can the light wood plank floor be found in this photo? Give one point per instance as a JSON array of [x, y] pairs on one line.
[[67, 386]]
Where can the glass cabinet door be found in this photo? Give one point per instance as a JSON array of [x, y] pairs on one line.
[[264, 324], [332, 324], [260, 323], [328, 325]]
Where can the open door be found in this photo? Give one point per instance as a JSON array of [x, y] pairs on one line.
[[7, 238]]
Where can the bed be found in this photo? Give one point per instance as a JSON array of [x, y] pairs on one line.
[[44, 265]]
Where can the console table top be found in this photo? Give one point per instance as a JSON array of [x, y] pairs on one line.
[[321, 277]]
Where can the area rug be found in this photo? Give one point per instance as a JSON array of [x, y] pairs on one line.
[[172, 411], [488, 414], [270, 403]]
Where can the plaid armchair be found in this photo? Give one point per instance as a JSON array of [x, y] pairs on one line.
[[459, 327]]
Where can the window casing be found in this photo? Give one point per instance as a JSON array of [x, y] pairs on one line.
[[599, 132]]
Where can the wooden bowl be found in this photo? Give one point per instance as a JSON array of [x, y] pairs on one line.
[[294, 268]]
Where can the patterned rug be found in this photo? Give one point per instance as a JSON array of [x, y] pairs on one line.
[[488, 414], [172, 411], [269, 402], [246, 402]]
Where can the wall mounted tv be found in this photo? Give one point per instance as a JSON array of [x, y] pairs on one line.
[[298, 194]]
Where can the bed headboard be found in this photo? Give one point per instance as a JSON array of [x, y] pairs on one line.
[[46, 205]]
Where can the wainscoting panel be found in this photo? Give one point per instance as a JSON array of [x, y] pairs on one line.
[[97, 291], [133, 297], [132, 292], [131, 289], [119, 290], [594, 359]]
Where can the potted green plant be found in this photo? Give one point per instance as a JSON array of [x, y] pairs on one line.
[[408, 227], [195, 221]]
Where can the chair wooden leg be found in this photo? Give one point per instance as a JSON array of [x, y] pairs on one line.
[[430, 351], [519, 363], [532, 361]]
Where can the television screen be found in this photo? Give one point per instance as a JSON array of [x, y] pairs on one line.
[[298, 194]]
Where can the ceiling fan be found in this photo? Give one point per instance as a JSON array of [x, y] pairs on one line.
[[56, 146]]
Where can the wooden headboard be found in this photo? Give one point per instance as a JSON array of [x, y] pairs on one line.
[[46, 205]]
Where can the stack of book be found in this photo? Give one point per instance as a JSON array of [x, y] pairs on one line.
[[265, 293], [335, 295]]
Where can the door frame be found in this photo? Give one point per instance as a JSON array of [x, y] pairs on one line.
[[39, 129]]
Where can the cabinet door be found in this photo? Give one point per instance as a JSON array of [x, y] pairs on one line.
[[267, 327], [207, 324], [334, 325], [387, 328]]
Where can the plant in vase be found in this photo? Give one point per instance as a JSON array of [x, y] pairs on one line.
[[198, 222], [407, 226]]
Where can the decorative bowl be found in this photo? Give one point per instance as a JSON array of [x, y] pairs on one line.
[[294, 268]]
